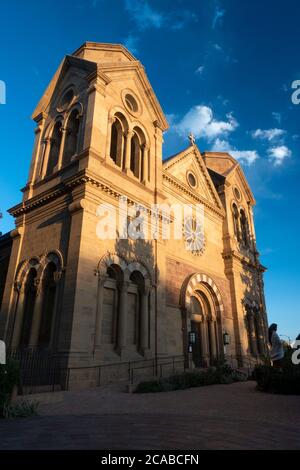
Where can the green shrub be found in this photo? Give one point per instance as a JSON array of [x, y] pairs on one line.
[[9, 378], [221, 374], [152, 386], [285, 380], [21, 410]]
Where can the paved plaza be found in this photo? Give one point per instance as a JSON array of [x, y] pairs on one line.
[[216, 417]]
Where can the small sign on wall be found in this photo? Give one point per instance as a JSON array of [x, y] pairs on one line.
[[2, 352]]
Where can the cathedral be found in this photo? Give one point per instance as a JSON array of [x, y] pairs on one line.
[[92, 300]]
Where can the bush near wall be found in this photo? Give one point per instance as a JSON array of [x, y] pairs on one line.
[[9, 378], [285, 380], [221, 374]]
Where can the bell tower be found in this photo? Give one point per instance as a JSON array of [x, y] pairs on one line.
[[98, 137]]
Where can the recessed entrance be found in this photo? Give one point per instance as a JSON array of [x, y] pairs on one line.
[[203, 320]]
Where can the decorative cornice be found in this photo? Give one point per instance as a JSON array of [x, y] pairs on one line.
[[176, 183], [80, 179], [235, 256]]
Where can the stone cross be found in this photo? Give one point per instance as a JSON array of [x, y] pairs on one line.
[[192, 138]]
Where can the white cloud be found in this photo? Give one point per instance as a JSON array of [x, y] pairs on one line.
[[131, 43], [218, 15], [144, 15], [278, 154], [200, 70], [200, 121], [244, 156], [171, 118], [268, 134], [179, 18], [217, 47]]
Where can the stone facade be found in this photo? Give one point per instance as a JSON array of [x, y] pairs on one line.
[[92, 300]]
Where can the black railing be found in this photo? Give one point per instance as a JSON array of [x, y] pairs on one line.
[[42, 370]]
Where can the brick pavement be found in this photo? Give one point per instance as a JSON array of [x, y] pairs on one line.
[[217, 417]]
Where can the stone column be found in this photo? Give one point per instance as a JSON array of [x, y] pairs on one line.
[[145, 151], [19, 312], [44, 162], [110, 122], [213, 338], [204, 340], [99, 312], [145, 320], [128, 153], [37, 151], [122, 333], [64, 131]]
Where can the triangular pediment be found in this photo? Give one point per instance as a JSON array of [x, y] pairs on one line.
[[237, 178], [224, 164], [188, 162], [69, 61], [111, 62]]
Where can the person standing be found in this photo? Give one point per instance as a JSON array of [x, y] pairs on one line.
[[276, 347]]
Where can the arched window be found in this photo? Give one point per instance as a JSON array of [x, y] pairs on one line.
[[235, 214], [29, 304], [137, 154], [48, 304], [55, 147], [244, 228], [111, 302], [135, 292], [71, 141], [117, 141]]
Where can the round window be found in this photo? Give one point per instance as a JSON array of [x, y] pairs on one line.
[[131, 103], [192, 179], [237, 193], [66, 100]]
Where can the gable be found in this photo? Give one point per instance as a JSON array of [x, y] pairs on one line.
[[190, 161], [238, 179], [68, 62], [220, 162], [224, 164]]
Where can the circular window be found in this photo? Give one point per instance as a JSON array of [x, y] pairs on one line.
[[192, 179], [237, 193], [194, 236], [131, 103], [66, 100]]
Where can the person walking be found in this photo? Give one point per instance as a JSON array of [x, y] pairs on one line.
[[276, 347]]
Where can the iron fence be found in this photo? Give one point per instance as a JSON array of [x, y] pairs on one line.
[[43, 370]]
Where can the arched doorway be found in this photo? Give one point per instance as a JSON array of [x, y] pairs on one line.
[[202, 323]]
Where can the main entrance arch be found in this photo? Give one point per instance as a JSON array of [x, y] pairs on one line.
[[202, 309]]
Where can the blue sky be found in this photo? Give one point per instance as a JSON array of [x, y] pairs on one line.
[[221, 68]]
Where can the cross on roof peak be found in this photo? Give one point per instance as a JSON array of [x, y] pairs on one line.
[[192, 138]]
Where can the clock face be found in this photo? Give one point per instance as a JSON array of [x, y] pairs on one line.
[[194, 236]]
